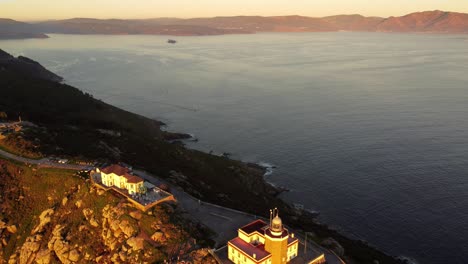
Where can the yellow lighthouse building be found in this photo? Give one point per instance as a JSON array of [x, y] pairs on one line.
[[262, 243], [277, 240]]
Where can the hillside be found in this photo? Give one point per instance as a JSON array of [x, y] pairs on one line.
[[26, 66], [74, 125], [11, 29], [430, 21], [54, 216], [64, 112]]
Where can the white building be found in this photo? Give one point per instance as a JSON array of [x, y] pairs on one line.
[[121, 177]]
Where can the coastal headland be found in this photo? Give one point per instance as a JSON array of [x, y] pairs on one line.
[[72, 124]]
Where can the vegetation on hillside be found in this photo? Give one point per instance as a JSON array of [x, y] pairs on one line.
[[16, 144]]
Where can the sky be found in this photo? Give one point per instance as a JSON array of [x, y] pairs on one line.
[[33, 10]]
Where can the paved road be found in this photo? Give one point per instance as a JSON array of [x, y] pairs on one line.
[[44, 162], [222, 220]]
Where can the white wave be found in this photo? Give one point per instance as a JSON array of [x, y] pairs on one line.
[[92, 59], [269, 168], [62, 66]]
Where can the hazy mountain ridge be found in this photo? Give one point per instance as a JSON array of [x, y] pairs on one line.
[[11, 29], [428, 21], [123, 27], [353, 22]]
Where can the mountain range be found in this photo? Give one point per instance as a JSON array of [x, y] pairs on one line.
[[424, 22]]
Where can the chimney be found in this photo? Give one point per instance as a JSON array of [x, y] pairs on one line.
[[292, 235], [255, 256]]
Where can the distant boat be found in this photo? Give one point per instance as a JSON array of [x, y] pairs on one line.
[[171, 41]]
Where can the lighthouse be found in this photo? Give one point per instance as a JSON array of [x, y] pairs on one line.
[[276, 239]]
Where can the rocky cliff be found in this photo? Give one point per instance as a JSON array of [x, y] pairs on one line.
[[50, 216]]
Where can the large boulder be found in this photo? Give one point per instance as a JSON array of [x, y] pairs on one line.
[[136, 214], [64, 252], [44, 219], [137, 243], [30, 247], [79, 203], [129, 229], [43, 257], [12, 229], [74, 255], [64, 201], [159, 237], [89, 215]]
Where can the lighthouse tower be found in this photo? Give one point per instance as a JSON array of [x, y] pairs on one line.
[[276, 239]]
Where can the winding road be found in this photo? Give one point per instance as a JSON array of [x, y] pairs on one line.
[[44, 162]]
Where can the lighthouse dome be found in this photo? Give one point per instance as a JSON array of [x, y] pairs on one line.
[[277, 224]]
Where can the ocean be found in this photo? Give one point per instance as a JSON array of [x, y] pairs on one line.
[[369, 129]]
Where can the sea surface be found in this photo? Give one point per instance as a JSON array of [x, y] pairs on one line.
[[370, 129]]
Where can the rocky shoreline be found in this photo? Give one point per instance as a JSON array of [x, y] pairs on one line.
[[347, 248]]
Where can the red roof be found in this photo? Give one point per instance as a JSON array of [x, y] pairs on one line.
[[257, 225], [292, 240], [122, 171], [116, 169], [249, 249], [132, 178]]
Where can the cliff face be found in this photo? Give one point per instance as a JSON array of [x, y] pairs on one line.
[[52, 216]]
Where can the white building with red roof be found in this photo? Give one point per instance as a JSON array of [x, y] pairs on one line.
[[121, 177]]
